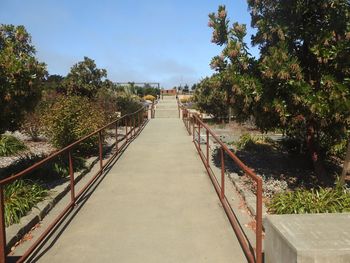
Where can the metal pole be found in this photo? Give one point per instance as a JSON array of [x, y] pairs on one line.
[[2, 227], [199, 136], [207, 148], [193, 134], [258, 220], [139, 121], [116, 136], [71, 176], [100, 149], [126, 129], [222, 174]]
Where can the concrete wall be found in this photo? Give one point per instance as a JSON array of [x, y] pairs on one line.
[[307, 238]]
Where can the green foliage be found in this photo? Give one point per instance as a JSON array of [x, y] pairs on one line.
[[147, 90], [300, 84], [305, 69], [20, 197], [235, 67], [84, 79], [251, 142], [53, 83], [10, 145], [20, 76], [106, 100], [339, 149], [32, 123], [51, 171], [127, 103], [71, 118], [321, 200], [209, 97]]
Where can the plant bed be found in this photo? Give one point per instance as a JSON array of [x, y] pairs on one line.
[[283, 173], [56, 190]]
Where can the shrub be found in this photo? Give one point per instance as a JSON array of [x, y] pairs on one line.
[[339, 149], [49, 172], [106, 100], [31, 125], [253, 142], [149, 97], [127, 104], [20, 197], [186, 100], [10, 145], [71, 118], [321, 200]]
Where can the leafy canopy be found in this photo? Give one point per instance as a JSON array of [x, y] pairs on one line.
[[21, 76]]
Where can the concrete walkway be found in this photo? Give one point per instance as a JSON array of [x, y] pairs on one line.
[[156, 204]]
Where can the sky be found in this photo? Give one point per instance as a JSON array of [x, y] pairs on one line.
[[135, 41]]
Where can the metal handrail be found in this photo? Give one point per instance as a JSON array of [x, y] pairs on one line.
[[192, 119], [135, 121]]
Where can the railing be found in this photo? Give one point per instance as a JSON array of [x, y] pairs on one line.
[[133, 122], [195, 127]]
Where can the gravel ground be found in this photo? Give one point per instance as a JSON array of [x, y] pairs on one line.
[[41, 147], [279, 170]]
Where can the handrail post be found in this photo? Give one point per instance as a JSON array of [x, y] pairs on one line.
[[126, 129], [193, 133], [258, 220], [116, 137], [2, 227], [139, 121], [207, 132], [199, 136], [71, 177], [222, 174], [100, 149]]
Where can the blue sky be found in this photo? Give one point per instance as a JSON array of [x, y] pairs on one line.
[[155, 41]]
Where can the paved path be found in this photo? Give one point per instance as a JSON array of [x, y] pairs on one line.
[[156, 204]]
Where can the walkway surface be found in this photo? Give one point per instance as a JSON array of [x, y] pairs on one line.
[[156, 204]]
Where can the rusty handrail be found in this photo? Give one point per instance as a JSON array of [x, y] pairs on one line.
[[135, 120], [196, 122]]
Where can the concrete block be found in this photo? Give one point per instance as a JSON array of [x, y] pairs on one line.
[[307, 238]]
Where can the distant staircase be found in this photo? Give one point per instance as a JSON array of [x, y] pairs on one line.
[[167, 108]]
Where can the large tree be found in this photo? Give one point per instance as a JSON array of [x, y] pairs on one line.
[[234, 65], [21, 76], [84, 79], [304, 63]]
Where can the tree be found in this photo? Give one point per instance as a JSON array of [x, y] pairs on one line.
[[304, 64], [235, 66], [84, 79], [210, 98], [20, 76], [186, 89], [53, 82]]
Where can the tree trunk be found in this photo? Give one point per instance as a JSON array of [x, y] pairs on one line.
[[346, 165], [315, 154]]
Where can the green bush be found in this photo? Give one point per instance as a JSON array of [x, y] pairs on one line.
[[71, 118], [106, 100], [128, 104], [49, 172], [20, 197], [253, 142], [10, 145], [302, 201]]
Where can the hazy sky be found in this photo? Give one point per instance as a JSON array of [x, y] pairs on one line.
[[157, 41]]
